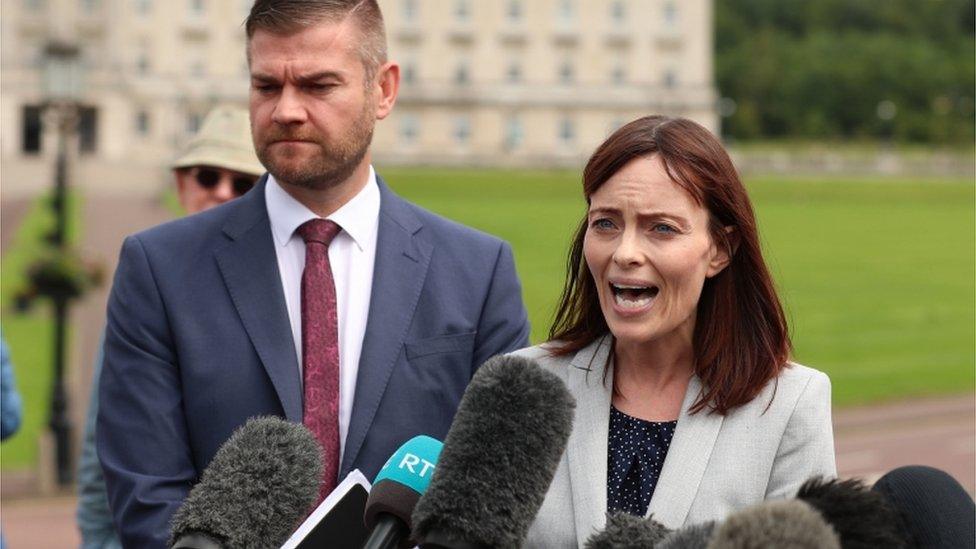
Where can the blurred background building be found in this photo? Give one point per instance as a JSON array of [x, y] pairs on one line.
[[535, 82]]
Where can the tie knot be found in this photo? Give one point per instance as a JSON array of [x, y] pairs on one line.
[[318, 230]]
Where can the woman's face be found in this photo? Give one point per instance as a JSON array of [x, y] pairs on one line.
[[649, 250]]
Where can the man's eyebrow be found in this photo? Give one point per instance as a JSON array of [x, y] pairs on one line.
[[262, 77], [317, 76]]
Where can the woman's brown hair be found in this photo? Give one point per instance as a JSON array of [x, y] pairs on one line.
[[741, 340]]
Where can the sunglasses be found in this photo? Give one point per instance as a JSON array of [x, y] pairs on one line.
[[208, 178]]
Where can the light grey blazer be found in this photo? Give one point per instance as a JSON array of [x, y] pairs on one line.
[[715, 464]]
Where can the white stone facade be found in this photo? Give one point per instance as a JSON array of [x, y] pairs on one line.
[[485, 82]]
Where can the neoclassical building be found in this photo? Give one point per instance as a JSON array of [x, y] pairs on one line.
[[485, 82]]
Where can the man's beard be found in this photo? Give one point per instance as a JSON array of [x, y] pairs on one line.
[[334, 162]]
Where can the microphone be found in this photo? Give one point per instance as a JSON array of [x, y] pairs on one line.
[[625, 531], [861, 517], [259, 486], [396, 489], [789, 523], [499, 458], [695, 536]]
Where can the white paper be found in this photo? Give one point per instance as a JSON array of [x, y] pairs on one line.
[[330, 501]]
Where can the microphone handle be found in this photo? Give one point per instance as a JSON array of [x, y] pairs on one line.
[[387, 532]]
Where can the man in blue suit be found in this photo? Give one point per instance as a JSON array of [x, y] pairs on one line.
[[209, 320]]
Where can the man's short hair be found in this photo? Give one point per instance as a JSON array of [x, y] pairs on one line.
[[288, 16]]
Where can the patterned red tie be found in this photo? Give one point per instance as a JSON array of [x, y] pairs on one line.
[[320, 346]]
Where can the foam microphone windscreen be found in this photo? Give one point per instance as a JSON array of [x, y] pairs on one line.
[[626, 531], [499, 457], [695, 536], [789, 524], [863, 519], [934, 510], [400, 483], [260, 484]]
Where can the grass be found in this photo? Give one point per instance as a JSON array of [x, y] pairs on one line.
[[877, 276], [30, 335]]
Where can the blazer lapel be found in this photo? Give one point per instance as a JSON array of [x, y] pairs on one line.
[[691, 447], [402, 259], [249, 266], [587, 447]]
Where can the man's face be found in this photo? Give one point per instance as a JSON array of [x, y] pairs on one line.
[[203, 187], [312, 112]]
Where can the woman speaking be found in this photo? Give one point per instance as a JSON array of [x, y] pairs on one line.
[[670, 335]]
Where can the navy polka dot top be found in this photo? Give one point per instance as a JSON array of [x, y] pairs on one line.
[[636, 451]]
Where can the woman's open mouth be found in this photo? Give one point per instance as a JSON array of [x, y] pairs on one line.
[[631, 296]]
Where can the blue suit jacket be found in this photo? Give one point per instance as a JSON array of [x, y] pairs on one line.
[[198, 341]]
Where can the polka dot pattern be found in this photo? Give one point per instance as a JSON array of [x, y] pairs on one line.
[[636, 450]]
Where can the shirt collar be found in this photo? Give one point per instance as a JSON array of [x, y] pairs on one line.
[[356, 217]]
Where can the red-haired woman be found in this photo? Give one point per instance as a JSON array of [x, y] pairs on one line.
[[670, 335]]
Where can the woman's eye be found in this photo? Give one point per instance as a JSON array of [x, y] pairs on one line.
[[602, 223], [664, 228]]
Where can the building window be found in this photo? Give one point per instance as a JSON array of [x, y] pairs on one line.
[[462, 10], [566, 73], [514, 73], [34, 5], [143, 7], [142, 63], [409, 129], [192, 123], [670, 79], [32, 129], [462, 76], [670, 14], [566, 11], [615, 125], [198, 7], [567, 131], [409, 72], [514, 133], [408, 9], [618, 75], [89, 6], [462, 129], [618, 12], [142, 123], [198, 69], [514, 11]]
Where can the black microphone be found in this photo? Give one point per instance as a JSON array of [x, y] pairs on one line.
[[626, 531], [862, 518], [396, 489], [258, 487], [499, 458]]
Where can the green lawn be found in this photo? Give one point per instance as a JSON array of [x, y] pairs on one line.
[[30, 335], [877, 276]]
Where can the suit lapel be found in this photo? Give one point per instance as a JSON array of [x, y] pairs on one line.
[[684, 466], [402, 259], [249, 266], [588, 441]]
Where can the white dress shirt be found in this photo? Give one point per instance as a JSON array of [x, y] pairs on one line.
[[352, 255]]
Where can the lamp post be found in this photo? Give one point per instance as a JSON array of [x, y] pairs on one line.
[[62, 90]]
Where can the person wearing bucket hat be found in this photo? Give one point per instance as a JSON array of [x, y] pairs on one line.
[[217, 164]]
